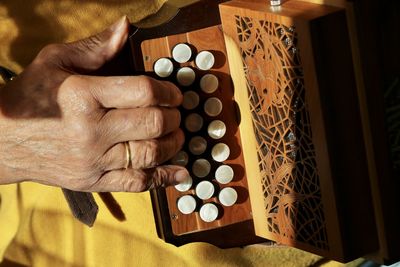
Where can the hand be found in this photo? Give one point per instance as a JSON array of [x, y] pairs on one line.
[[63, 128]]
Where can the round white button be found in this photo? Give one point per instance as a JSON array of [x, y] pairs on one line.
[[186, 204], [220, 152], [190, 100], [213, 107], [181, 158], [224, 174], [216, 129], [209, 83], [163, 67], [205, 190], [205, 60], [208, 212], [197, 145], [184, 186], [181, 53], [185, 76], [201, 168], [228, 196], [193, 122]]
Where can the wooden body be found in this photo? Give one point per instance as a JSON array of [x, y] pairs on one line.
[[302, 148], [301, 103]]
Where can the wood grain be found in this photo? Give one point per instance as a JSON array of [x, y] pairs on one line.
[[271, 66], [210, 39]]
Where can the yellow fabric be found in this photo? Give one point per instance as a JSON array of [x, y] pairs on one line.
[[49, 236], [36, 219]]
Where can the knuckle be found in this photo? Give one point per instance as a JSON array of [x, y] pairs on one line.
[[72, 81], [91, 43], [151, 153], [127, 185], [142, 186], [74, 96], [70, 88], [160, 177], [138, 183], [50, 51], [156, 123], [146, 87]]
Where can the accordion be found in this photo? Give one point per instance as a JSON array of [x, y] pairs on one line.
[[277, 122]]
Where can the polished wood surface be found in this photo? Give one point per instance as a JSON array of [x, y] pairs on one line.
[[210, 39]]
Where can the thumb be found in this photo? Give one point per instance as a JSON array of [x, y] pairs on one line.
[[91, 53]]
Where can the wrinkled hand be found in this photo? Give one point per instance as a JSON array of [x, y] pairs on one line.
[[61, 127]]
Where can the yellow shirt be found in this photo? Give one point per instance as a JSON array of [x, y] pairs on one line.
[[47, 235]]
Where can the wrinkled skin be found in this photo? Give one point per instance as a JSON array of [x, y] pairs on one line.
[[62, 127]]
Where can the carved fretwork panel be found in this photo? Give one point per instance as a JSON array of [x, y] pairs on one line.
[[285, 150]]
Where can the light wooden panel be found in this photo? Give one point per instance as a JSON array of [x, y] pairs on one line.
[[284, 101]]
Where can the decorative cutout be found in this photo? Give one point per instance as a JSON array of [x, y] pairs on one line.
[[285, 150]]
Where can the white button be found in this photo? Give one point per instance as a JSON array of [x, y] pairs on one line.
[[228, 196], [216, 129], [220, 152], [201, 168], [163, 67], [193, 122], [181, 53], [205, 190], [181, 158], [197, 145], [208, 212], [209, 83], [185, 186], [186, 204], [190, 100], [205, 60], [185, 76], [213, 107], [224, 174]]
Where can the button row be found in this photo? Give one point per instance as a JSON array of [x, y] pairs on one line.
[[224, 175], [205, 190], [182, 53]]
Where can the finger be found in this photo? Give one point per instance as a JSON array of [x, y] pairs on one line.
[[144, 154], [132, 91], [133, 180], [91, 53], [120, 125]]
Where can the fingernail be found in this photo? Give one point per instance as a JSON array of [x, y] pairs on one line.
[[118, 25], [181, 176]]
